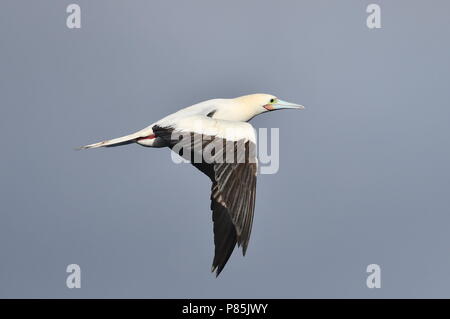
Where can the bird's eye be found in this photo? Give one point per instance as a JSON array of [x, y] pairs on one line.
[[272, 100]]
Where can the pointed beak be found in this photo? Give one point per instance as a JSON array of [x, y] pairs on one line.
[[280, 104]]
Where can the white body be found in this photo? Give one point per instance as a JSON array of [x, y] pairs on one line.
[[228, 114]]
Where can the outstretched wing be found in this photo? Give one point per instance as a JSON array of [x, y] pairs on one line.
[[226, 152], [232, 198]]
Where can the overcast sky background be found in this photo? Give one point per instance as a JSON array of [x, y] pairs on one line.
[[364, 171]]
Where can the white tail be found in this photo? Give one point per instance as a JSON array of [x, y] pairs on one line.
[[123, 140]]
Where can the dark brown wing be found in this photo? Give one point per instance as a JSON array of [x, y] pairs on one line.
[[233, 187], [233, 192], [225, 237]]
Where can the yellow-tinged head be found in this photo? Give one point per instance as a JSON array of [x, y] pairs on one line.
[[260, 103]]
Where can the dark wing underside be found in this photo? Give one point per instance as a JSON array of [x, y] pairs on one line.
[[233, 186], [233, 196]]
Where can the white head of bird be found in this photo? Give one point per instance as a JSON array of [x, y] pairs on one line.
[[246, 107]]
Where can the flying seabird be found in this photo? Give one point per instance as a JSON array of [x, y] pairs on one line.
[[216, 138]]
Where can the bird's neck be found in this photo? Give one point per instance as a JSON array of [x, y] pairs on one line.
[[235, 112]]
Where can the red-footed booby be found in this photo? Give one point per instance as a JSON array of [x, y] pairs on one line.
[[223, 124]]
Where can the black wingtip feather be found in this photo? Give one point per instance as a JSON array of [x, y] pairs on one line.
[[225, 237]]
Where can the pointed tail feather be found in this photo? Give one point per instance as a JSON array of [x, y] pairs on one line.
[[123, 140]]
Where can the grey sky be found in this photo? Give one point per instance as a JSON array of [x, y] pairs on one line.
[[364, 171]]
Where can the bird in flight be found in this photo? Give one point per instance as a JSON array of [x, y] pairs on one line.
[[215, 137]]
